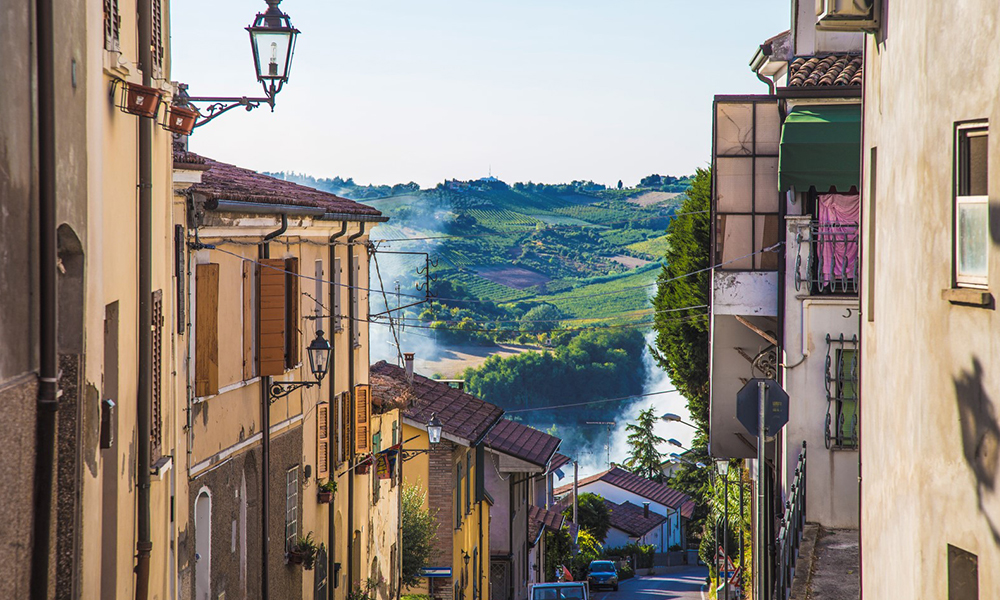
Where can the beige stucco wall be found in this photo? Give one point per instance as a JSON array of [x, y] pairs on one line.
[[930, 414]]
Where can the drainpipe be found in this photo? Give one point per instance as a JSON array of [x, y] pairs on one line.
[[143, 542], [332, 390], [352, 284], [264, 251], [48, 374]]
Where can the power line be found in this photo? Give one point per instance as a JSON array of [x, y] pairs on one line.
[[636, 313], [577, 404]]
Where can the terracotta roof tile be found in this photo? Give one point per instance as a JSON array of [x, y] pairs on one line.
[[222, 181], [522, 441], [825, 71], [558, 460], [462, 415], [630, 518], [540, 519], [640, 486]]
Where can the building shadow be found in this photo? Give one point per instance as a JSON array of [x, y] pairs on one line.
[[980, 436]]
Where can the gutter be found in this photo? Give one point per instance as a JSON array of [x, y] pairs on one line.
[[319, 213], [351, 328], [143, 542], [332, 390], [48, 373], [819, 92]]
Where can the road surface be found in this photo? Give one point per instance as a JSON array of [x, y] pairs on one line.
[[680, 584]]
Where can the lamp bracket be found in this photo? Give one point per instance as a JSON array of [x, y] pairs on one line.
[[280, 389], [219, 105]]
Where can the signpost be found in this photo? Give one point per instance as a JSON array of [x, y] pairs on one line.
[[762, 408]]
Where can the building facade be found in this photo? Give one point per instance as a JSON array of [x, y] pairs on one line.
[[930, 427]]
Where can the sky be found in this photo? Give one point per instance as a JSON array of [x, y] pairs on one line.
[[390, 91]]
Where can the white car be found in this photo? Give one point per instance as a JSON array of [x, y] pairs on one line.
[[567, 590]]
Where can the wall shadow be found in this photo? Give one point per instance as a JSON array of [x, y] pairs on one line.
[[980, 435]]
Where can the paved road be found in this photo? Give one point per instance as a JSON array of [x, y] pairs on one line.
[[682, 584]]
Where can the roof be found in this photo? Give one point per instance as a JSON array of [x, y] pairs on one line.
[[540, 519], [640, 486], [522, 441], [632, 520], [558, 460], [222, 181], [462, 415], [825, 71]]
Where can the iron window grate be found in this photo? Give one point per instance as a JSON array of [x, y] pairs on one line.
[[842, 389]]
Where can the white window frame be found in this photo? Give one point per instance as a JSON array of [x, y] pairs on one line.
[[291, 507], [962, 131]]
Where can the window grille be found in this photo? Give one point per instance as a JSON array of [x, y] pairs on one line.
[[157, 41], [841, 392], [112, 26], [156, 423], [291, 507], [831, 265], [499, 579]]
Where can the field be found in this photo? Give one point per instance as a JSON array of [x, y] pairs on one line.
[[654, 248], [514, 277]]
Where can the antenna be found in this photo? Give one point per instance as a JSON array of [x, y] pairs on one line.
[[609, 425]]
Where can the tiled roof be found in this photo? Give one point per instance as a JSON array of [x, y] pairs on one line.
[[640, 486], [222, 181], [539, 518], [630, 518], [825, 71], [521, 441], [558, 460], [462, 415]]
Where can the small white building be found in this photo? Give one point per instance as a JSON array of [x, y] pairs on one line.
[[631, 523]]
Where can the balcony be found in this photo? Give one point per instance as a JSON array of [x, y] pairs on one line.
[[827, 260]]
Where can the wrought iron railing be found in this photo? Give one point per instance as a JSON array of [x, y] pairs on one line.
[[842, 387], [793, 521], [831, 263]]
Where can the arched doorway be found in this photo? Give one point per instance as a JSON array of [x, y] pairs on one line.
[[203, 545]]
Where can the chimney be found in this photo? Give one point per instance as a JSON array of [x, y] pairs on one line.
[[645, 510], [408, 365]]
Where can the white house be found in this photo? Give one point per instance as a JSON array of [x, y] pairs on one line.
[[631, 523]]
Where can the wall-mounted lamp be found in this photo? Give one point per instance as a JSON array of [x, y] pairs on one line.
[[319, 360]]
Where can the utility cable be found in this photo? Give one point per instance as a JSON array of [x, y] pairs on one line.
[[577, 404]]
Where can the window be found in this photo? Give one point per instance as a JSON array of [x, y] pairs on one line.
[[338, 289], [112, 26], [841, 392], [291, 506], [971, 205], [157, 35], [356, 304], [292, 301], [156, 422], [458, 496], [468, 482]]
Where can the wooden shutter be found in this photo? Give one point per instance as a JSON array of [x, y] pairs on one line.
[[206, 353], [271, 317], [343, 412], [362, 419], [156, 412], [323, 440], [292, 352], [338, 290], [249, 318]]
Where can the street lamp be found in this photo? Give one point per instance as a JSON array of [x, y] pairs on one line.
[[272, 40], [672, 418], [723, 467], [674, 442], [319, 360], [434, 429]]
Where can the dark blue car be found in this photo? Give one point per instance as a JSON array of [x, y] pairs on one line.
[[602, 573]]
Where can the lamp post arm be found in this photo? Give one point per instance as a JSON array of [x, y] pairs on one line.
[[280, 389]]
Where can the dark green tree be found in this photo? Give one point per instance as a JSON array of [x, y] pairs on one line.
[[418, 530], [681, 347], [619, 184], [643, 457], [593, 514]]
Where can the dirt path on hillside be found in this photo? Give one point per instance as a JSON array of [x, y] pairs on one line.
[[452, 361]]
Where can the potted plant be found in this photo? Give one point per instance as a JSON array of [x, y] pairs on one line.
[[139, 99], [325, 490], [302, 552], [180, 119]]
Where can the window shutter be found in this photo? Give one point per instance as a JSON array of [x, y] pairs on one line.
[[338, 290], [206, 362], [292, 352], [112, 25], [343, 409], [156, 422], [157, 35], [323, 440], [271, 317], [362, 419], [249, 319]]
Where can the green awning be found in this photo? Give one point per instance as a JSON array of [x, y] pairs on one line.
[[821, 147]]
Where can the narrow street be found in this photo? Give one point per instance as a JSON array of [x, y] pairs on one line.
[[686, 584]]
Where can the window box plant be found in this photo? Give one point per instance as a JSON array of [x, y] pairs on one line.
[[302, 552], [138, 99], [325, 490], [180, 119]]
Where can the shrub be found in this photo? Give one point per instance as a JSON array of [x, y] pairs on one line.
[[643, 554]]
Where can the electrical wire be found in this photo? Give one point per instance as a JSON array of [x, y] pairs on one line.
[[578, 404]]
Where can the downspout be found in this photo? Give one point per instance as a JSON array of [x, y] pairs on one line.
[[144, 542], [264, 250], [48, 373], [351, 380], [861, 296], [332, 390]]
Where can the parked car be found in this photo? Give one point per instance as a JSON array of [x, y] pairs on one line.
[[602, 573], [566, 590]]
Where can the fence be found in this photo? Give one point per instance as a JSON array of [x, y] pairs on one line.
[[790, 532]]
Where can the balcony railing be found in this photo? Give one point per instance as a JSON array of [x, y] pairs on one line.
[[793, 522], [831, 259]]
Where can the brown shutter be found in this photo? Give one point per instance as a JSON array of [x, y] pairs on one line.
[[292, 302], [362, 419], [323, 440], [206, 354], [156, 421], [271, 317], [343, 401], [249, 317]]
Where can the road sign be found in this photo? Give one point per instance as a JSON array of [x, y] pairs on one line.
[[775, 408]]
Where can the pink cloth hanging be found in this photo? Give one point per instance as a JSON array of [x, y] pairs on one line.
[[837, 239]]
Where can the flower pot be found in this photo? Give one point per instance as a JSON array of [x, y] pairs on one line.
[[294, 557], [180, 119], [140, 100], [324, 497]]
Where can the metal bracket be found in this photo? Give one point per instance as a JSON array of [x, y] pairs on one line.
[[280, 389]]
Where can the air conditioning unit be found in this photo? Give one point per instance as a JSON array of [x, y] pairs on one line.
[[847, 15]]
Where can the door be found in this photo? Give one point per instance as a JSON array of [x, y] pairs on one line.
[[203, 546]]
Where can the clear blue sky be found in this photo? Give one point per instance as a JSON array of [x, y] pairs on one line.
[[390, 91]]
